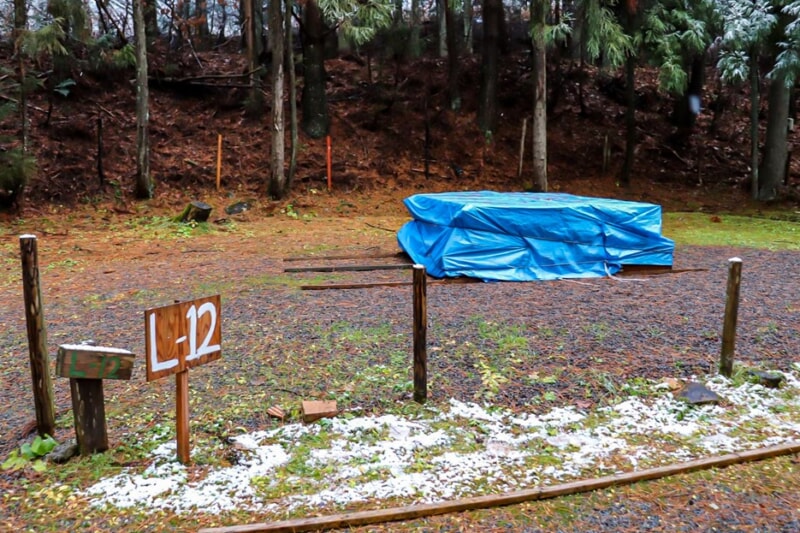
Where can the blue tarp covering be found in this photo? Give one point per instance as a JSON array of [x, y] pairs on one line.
[[531, 236]]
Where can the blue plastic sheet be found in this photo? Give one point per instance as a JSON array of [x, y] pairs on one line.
[[531, 236]]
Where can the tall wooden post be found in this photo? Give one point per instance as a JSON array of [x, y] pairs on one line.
[[420, 335], [37, 337], [731, 315]]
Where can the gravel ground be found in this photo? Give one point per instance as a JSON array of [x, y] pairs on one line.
[[591, 334]]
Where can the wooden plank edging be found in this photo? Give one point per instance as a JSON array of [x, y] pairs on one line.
[[362, 518]]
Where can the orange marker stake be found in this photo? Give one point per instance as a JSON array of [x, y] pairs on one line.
[[330, 185], [219, 158]]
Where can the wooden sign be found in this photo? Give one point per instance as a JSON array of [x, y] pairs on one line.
[[181, 336], [87, 366], [93, 362]]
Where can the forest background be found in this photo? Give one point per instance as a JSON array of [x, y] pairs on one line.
[[683, 103]]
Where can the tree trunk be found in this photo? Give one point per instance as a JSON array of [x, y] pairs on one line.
[[539, 127], [144, 185], [20, 26], [414, 48], [292, 92], [277, 184], [487, 100], [468, 18], [316, 122], [254, 98], [150, 21], [773, 166], [630, 120], [453, 70], [201, 15], [685, 112], [755, 104], [441, 13]]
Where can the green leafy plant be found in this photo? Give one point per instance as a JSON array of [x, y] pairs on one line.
[[491, 378], [31, 452], [63, 88], [290, 212]]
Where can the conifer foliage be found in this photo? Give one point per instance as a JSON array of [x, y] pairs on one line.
[[753, 45]]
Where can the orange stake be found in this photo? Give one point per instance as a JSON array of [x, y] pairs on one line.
[[328, 139], [219, 158]]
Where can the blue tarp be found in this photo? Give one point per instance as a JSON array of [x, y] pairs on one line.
[[531, 236]]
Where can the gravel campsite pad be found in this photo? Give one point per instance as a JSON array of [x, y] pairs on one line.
[[503, 357]]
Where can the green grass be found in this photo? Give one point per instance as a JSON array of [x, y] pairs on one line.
[[702, 229]]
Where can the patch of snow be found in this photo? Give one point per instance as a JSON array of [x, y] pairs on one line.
[[373, 458]]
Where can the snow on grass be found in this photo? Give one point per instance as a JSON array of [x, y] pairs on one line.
[[463, 450]]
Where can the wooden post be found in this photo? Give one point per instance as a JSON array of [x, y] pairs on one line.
[[731, 314], [420, 335], [89, 413], [37, 337], [86, 366], [219, 159], [182, 415]]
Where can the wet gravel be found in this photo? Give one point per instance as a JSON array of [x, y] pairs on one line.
[[592, 335]]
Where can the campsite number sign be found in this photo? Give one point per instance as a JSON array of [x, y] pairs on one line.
[[181, 336]]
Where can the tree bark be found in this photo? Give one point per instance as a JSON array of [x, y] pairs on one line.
[[150, 21], [20, 27], [773, 166], [201, 16], [539, 127], [755, 104], [684, 114], [630, 120], [414, 48], [316, 122], [453, 70], [254, 98], [144, 185], [277, 183], [292, 91], [441, 13], [469, 15], [487, 100]]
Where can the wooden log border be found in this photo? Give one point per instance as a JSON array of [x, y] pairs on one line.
[[362, 518]]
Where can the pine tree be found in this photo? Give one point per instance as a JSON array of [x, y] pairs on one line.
[[359, 21], [677, 34], [755, 30]]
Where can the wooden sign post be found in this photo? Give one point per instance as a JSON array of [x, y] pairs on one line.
[[178, 337], [86, 367]]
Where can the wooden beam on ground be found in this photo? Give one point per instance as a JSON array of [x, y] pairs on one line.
[[378, 255], [361, 518], [650, 270], [348, 268], [326, 286]]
